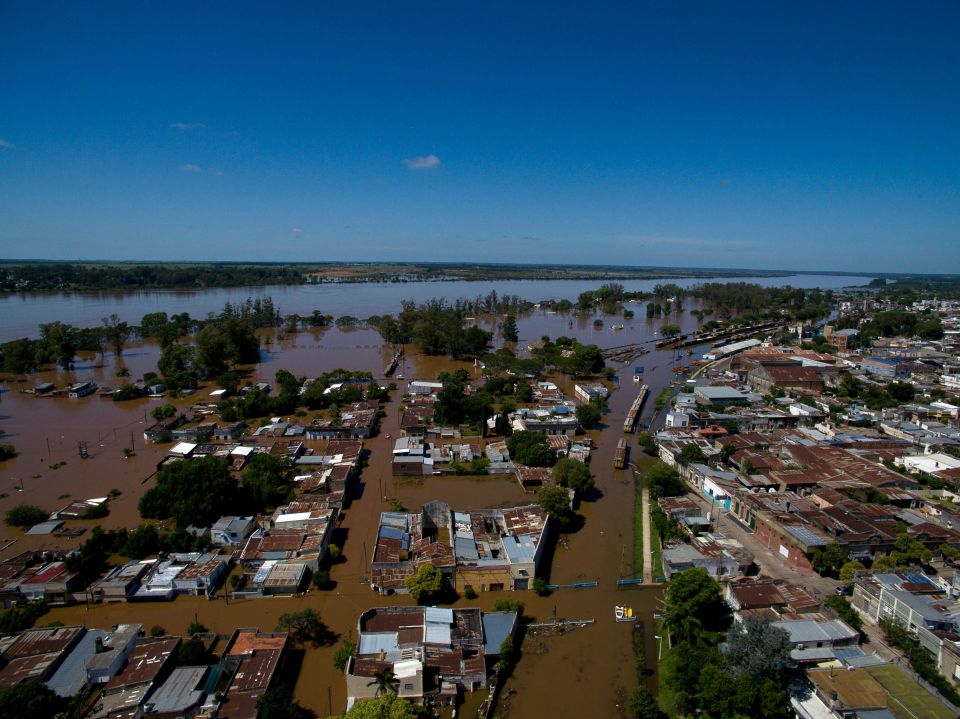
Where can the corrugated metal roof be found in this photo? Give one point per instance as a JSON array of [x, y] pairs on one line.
[[497, 626], [377, 642], [436, 634], [438, 615], [806, 536], [179, 692]]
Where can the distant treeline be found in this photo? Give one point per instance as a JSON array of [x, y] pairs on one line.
[[76, 277], [92, 276]]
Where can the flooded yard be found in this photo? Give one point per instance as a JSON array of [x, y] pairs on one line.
[[588, 671]]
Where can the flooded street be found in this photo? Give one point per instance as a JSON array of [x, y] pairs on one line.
[[584, 672]]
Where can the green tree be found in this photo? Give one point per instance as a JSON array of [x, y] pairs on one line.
[[555, 501], [26, 515], [691, 453], [426, 584], [507, 657], [524, 392], [30, 699], [508, 329], [16, 620], [588, 415], [663, 481], [530, 449], [649, 444], [573, 474], [846, 612], [279, 703], [306, 626], [344, 652], [757, 649], [670, 330], [502, 426], [726, 451], [176, 364], [829, 559], [7, 451], [693, 595], [162, 412], [264, 482], [116, 333], [193, 653], [60, 340], [192, 493], [388, 706], [643, 705], [849, 570], [385, 682]]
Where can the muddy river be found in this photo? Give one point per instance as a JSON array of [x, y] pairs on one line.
[[584, 672]]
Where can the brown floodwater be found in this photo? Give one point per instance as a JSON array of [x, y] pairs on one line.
[[584, 672]]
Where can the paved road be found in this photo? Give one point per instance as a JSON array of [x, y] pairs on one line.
[[771, 565], [647, 544]]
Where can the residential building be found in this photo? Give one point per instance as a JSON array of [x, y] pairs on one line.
[[485, 550]]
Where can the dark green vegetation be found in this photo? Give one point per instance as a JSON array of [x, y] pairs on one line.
[[279, 703], [454, 406], [7, 451], [847, 613], [18, 619], [25, 515], [922, 661], [752, 302], [426, 585], [436, 327], [555, 501], [93, 556], [38, 276], [198, 492], [531, 449], [748, 679], [305, 626], [69, 277], [571, 474], [32, 699], [386, 706], [582, 359], [873, 395], [663, 481]]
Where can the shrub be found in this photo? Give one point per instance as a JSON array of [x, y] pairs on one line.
[[26, 515]]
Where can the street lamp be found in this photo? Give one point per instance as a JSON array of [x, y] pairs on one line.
[[660, 646]]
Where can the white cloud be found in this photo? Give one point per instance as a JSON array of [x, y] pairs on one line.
[[185, 126], [296, 230], [190, 167], [215, 171], [422, 162], [5, 144]]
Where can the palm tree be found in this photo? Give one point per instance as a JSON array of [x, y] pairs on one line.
[[385, 682]]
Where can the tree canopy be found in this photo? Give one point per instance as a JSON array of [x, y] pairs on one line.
[[386, 706], [191, 493], [426, 584], [573, 474], [530, 449]]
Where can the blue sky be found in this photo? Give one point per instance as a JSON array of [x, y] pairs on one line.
[[711, 134]]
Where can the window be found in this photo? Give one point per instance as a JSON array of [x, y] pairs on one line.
[[408, 687]]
